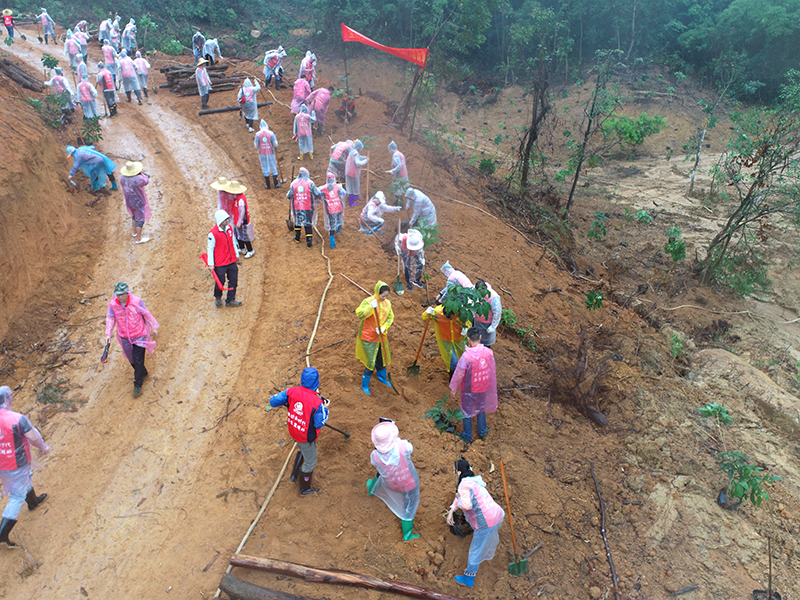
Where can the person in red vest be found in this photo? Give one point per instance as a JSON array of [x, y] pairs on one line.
[[8, 21], [333, 196], [135, 327], [16, 436], [308, 413], [106, 82], [302, 192], [223, 258]]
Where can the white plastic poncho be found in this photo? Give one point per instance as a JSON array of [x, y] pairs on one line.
[[266, 142], [398, 484], [352, 169], [373, 211], [248, 100], [302, 130], [333, 203], [424, 210]]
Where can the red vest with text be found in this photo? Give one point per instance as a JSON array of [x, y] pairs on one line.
[[332, 199], [8, 20], [265, 142], [402, 157], [273, 60], [301, 194], [339, 151], [224, 251], [59, 85], [15, 449], [72, 46], [85, 91], [302, 402], [107, 80]]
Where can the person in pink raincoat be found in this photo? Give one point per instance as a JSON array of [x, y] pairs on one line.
[[301, 91], [133, 182], [476, 377], [135, 326], [318, 101], [482, 513], [454, 277], [302, 132]]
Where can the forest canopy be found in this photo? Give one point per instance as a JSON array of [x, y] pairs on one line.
[[695, 37]]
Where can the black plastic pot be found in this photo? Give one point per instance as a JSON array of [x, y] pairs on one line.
[[727, 503], [763, 595]]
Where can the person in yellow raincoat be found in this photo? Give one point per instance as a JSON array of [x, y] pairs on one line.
[[450, 335], [369, 349]]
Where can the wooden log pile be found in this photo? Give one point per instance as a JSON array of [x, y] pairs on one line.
[[181, 79], [21, 77]]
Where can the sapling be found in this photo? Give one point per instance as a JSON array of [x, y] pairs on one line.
[[446, 420]]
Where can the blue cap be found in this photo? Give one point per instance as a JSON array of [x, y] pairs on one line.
[[310, 379]]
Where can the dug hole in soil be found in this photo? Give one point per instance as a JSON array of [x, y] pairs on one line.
[[150, 496]]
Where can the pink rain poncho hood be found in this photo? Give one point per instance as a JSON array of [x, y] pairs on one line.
[[476, 377]]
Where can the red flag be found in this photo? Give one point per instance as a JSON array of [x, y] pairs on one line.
[[418, 56]]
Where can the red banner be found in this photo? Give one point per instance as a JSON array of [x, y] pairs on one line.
[[418, 56]]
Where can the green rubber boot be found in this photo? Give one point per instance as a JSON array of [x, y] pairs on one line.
[[408, 526], [371, 484]]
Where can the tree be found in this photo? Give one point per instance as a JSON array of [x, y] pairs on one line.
[[761, 168]]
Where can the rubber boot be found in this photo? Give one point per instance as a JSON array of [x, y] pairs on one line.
[[266, 181], [276, 182], [365, 377], [204, 101], [33, 500], [277, 85], [351, 200], [139, 97], [371, 483], [311, 155], [309, 236], [114, 187], [381, 373], [407, 525], [301, 156], [333, 240], [5, 528], [305, 484], [467, 580], [297, 234], [127, 96], [145, 93], [298, 462], [113, 110]]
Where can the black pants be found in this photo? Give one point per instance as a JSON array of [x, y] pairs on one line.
[[230, 271], [210, 60], [139, 372], [379, 358], [245, 245]]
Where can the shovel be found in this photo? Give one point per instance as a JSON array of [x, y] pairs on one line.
[[204, 258], [290, 220], [398, 287], [383, 345], [413, 370], [520, 566]]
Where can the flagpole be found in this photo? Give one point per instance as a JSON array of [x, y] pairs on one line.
[[346, 88]]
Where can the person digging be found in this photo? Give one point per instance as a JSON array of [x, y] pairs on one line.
[[308, 413]]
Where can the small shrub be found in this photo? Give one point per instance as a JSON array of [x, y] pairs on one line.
[[91, 132], [446, 421], [430, 233], [172, 47], [594, 300], [677, 345], [509, 320], [463, 301], [745, 479], [8, 41], [598, 230], [49, 61], [675, 247], [716, 411], [487, 166], [644, 217]]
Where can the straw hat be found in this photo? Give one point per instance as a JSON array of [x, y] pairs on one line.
[[234, 187], [202, 62], [414, 240], [7, 12], [131, 168], [384, 436], [220, 184]]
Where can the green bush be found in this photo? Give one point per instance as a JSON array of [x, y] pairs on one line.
[[594, 300], [675, 247], [487, 166], [598, 230], [630, 131], [644, 217], [745, 479], [173, 48]]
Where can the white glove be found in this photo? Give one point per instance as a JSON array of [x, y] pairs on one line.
[[380, 330], [373, 303], [430, 310], [463, 331], [491, 329]]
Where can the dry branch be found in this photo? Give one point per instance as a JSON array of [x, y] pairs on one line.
[[241, 590], [603, 531], [336, 576]]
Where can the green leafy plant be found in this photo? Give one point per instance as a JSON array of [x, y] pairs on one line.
[[430, 233], [446, 420], [677, 345], [509, 319], [172, 47], [676, 246], [644, 217], [487, 166], [463, 301], [746, 481], [49, 61], [594, 300], [91, 132], [632, 132], [598, 230], [716, 411], [49, 109], [146, 24], [8, 41]]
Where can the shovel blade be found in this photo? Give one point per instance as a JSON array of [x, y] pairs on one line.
[[398, 288], [413, 370], [519, 567], [391, 383]]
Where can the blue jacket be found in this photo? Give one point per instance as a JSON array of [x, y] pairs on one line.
[[309, 379]]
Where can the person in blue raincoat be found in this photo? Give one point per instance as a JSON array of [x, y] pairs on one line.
[[97, 166]]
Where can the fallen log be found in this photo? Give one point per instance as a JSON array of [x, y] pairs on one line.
[[336, 576], [20, 76], [214, 111], [190, 69], [241, 590], [194, 92]]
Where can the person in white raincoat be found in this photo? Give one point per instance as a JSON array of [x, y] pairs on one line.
[[266, 142], [371, 219], [333, 196], [249, 103], [397, 482], [302, 132]]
